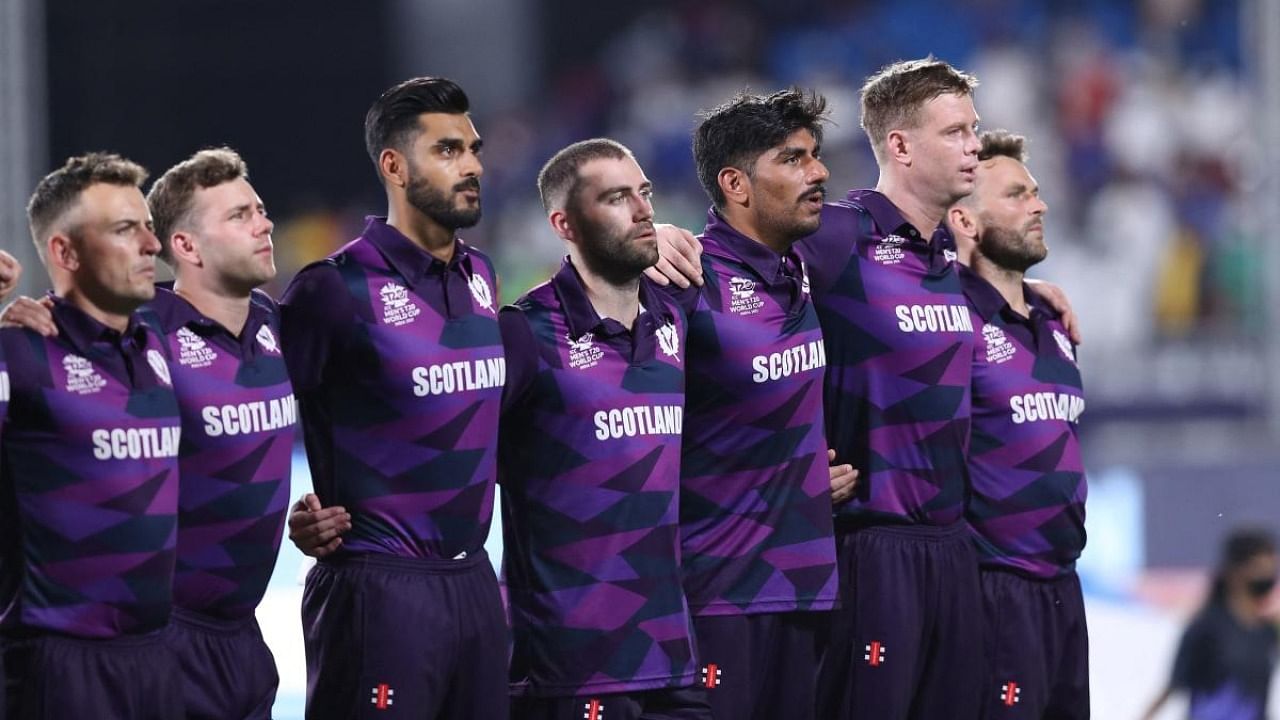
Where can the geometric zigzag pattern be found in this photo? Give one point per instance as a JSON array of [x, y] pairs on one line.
[[592, 558], [1029, 488], [899, 349], [756, 500], [96, 545]]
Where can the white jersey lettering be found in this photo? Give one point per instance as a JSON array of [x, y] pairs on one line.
[[251, 417], [639, 420], [785, 363], [460, 376], [933, 318], [135, 443], [1035, 407]]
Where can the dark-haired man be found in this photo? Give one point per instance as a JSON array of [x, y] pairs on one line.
[[90, 472], [396, 357], [756, 491], [238, 419], [1026, 509], [590, 461]]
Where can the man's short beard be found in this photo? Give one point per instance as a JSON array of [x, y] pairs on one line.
[[438, 206], [611, 254], [1009, 249]]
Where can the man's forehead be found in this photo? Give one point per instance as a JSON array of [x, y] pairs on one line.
[[1005, 168], [114, 201], [606, 172], [949, 107], [800, 137], [236, 191], [435, 126]]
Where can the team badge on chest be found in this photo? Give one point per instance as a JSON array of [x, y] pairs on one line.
[[193, 351], [669, 340], [397, 307], [583, 352], [1064, 344], [999, 349], [889, 250], [742, 296], [159, 366], [481, 292], [267, 340], [82, 378]]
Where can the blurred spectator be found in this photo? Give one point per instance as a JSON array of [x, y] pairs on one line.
[[1228, 652]]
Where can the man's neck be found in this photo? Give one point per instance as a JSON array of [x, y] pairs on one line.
[[1007, 282], [745, 223], [111, 318], [924, 216], [610, 299], [421, 230], [230, 310]]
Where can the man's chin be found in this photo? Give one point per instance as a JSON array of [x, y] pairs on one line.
[[466, 218], [808, 226]]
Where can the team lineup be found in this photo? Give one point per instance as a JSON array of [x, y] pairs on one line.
[[819, 461]]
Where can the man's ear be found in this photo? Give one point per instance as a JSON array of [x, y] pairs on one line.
[[559, 221], [61, 251], [394, 167], [962, 222], [735, 185], [183, 246], [898, 147]]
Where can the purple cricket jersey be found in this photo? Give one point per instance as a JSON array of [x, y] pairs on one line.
[[90, 467], [590, 469], [899, 340], [755, 501], [239, 420], [397, 361], [1027, 507]]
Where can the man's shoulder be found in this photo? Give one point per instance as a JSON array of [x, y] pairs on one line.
[[14, 341], [260, 298], [538, 299], [477, 254]]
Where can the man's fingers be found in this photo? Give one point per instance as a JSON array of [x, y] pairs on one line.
[[10, 273], [314, 528], [311, 501], [326, 533], [657, 277], [688, 260], [1071, 322], [31, 314], [328, 548], [1058, 300], [844, 480], [670, 272], [317, 526], [842, 475], [681, 252]]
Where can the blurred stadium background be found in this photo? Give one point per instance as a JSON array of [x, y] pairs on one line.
[[1155, 130]]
